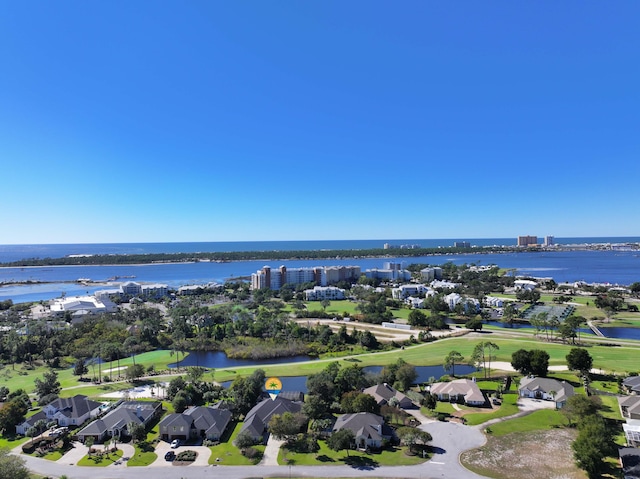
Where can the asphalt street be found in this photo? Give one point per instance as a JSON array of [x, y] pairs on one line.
[[449, 441]]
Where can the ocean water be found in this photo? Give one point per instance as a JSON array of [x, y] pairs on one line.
[[10, 253], [614, 267]]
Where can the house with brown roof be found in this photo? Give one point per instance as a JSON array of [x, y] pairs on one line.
[[459, 390], [384, 394]]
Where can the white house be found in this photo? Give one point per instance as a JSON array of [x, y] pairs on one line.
[[82, 305], [459, 390], [547, 389], [66, 412], [443, 284], [525, 284]]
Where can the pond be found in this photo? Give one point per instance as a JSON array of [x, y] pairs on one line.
[[609, 332], [299, 383], [219, 360]]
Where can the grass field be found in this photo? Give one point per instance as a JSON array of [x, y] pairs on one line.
[[227, 454], [103, 460], [507, 408], [536, 421], [326, 456], [609, 358], [141, 458]]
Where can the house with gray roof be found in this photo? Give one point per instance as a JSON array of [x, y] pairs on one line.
[[116, 423], [196, 422], [256, 421], [632, 384], [629, 406], [65, 412], [459, 390], [369, 429], [630, 462], [383, 394], [547, 389]]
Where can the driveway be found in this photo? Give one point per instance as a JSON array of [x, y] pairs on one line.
[[77, 452], [204, 453], [270, 456]]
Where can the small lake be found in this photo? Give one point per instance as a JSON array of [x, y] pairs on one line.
[[299, 383], [620, 333], [219, 360], [612, 332]]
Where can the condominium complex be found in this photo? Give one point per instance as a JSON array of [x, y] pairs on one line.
[[527, 240], [267, 278], [389, 272], [318, 293]]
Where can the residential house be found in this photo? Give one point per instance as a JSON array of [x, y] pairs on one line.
[[632, 384], [256, 421], [631, 430], [630, 462], [629, 406], [630, 410], [65, 412], [196, 422], [116, 423], [547, 389], [383, 394], [525, 284], [368, 428], [459, 390]]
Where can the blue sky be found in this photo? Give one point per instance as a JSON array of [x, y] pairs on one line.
[[164, 121]]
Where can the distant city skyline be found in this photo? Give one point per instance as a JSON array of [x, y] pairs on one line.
[[252, 121]]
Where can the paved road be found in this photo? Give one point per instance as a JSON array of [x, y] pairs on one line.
[[450, 439]]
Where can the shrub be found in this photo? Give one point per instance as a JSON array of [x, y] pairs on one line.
[[187, 456], [252, 453]]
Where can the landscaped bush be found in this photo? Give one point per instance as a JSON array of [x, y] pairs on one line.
[[187, 456], [251, 453]]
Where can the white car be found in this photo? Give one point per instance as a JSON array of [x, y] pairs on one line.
[[175, 443]]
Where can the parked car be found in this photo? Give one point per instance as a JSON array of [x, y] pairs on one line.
[[496, 401], [170, 456], [175, 443]]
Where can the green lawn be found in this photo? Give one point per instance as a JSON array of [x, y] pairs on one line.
[[621, 358], [537, 420], [95, 460], [326, 456], [11, 442], [228, 453], [141, 458], [610, 408], [507, 408]]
